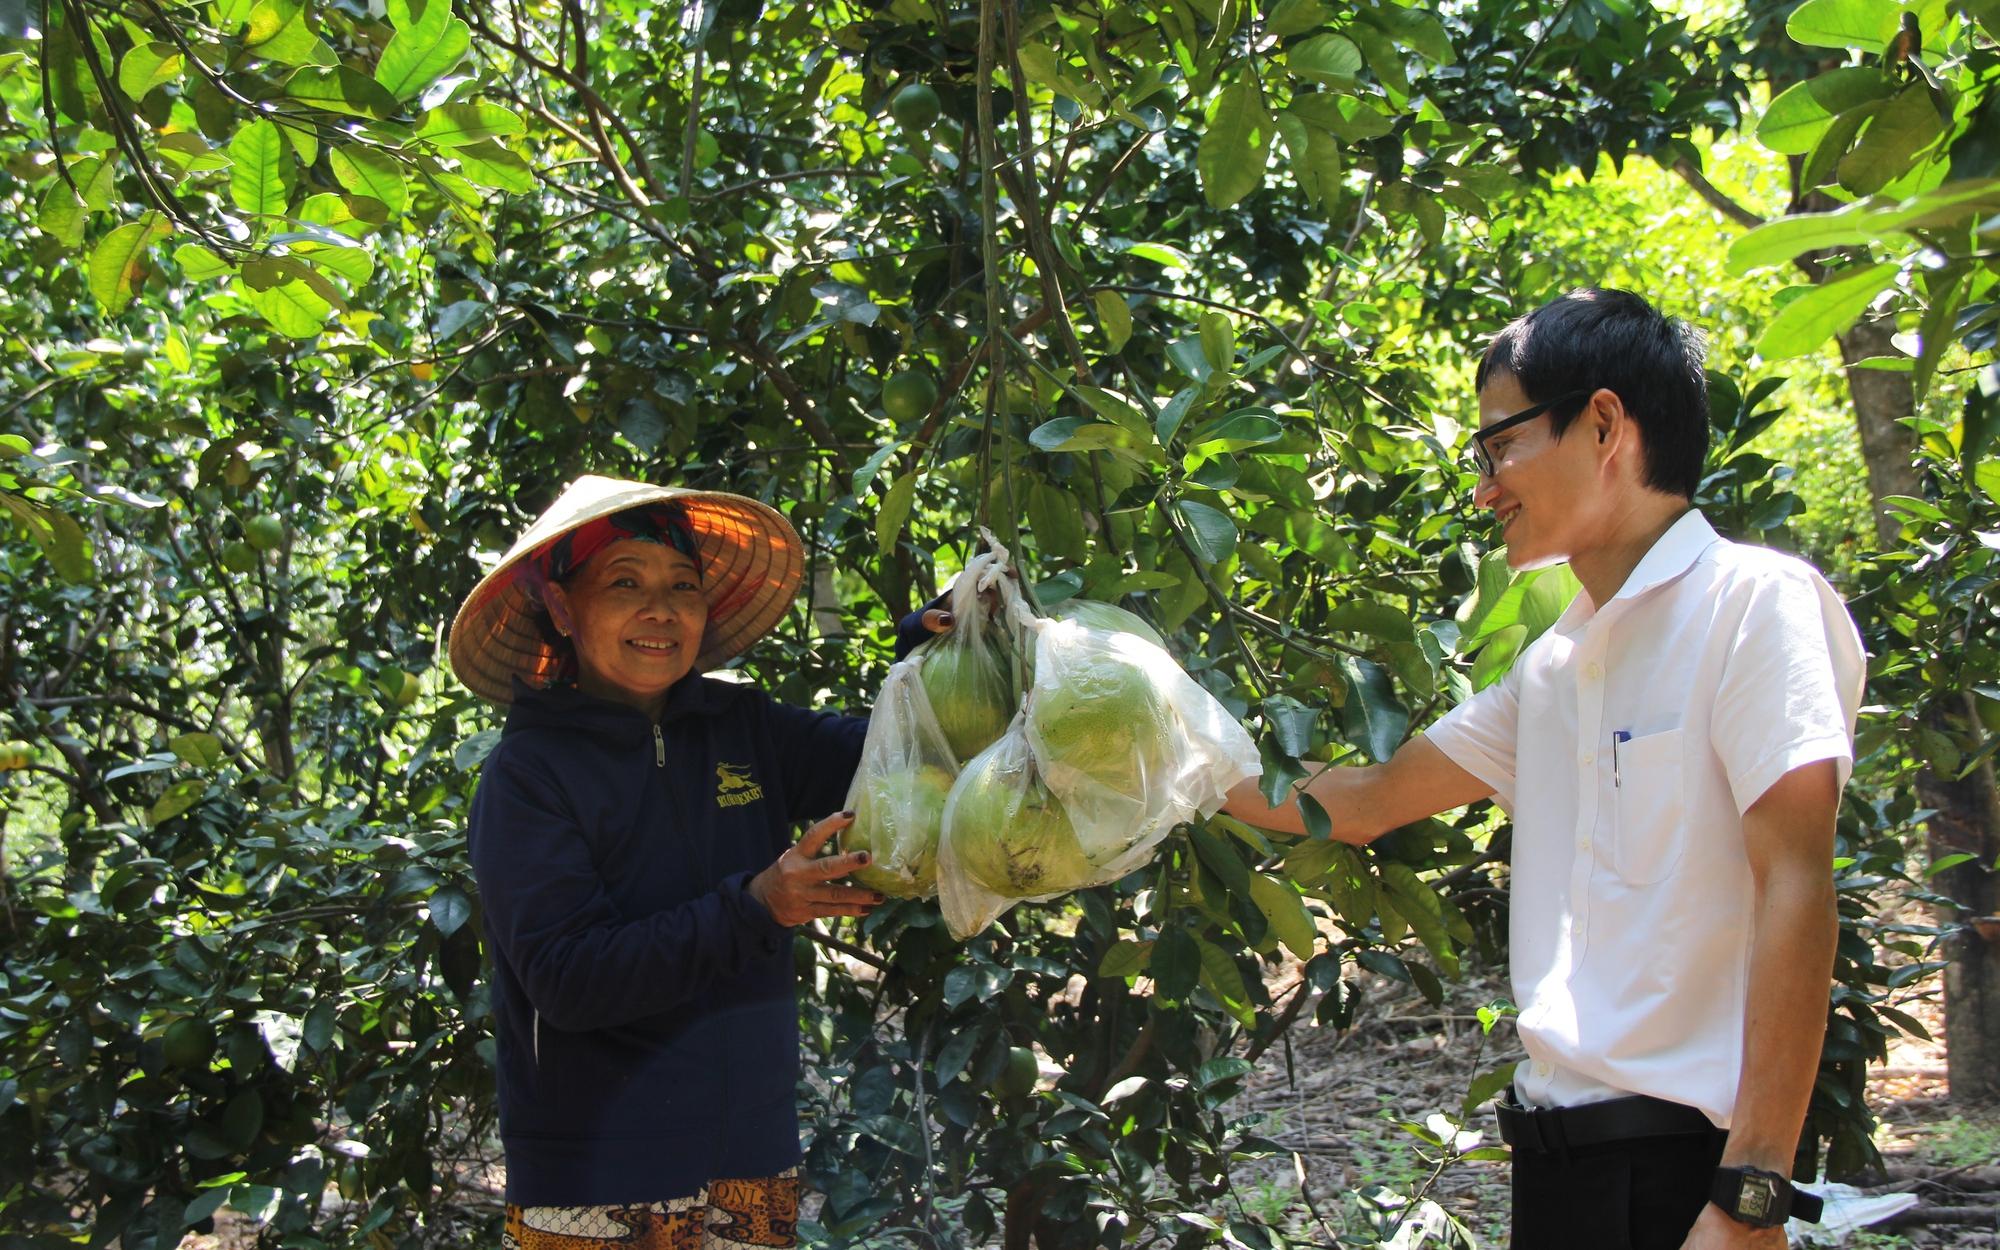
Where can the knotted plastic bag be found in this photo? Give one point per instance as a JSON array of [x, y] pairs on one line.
[[899, 789], [1113, 747]]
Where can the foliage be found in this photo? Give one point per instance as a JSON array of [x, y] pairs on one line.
[[392, 278]]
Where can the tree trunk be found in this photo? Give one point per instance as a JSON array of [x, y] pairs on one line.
[[1968, 808], [1882, 399], [1964, 824]]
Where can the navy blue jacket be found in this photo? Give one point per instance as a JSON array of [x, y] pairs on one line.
[[643, 1001]]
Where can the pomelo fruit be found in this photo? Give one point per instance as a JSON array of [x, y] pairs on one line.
[[1010, 835], [1106, 720], [970, 693], [899, 815], [16, 754], [264, 531], [1108, 617], [1018, 1078], [239, 557], [908, 395], [915, 107], [188, 1043]]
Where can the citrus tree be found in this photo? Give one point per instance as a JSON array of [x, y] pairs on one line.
[[316, 305]]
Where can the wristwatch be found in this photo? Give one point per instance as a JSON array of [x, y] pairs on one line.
[[1761, 1199]]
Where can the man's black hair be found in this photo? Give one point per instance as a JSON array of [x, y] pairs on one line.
[[1604, 337]]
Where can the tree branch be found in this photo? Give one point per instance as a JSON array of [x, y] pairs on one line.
[[1717, 199]]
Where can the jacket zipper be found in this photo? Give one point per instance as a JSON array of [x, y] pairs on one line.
[[659, 748]]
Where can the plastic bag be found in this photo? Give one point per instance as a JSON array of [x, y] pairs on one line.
[[968, 672], [899, 789], [1113, 747]]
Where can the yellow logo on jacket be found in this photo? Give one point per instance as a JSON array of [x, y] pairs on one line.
[[734, 786]]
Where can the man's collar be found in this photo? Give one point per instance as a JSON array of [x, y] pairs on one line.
[[1671, 555]]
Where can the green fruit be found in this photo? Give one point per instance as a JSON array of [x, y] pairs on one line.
[[264, 532], [16, 754], [1110, 618], [969, 693], [407, 686], [1457, 572], [915, 107], [188, 1043], [1106, 721], [897, 819], [1009, 834], [239, 557], [909, 395], [1018, 1078]]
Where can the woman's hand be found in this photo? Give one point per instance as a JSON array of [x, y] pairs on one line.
[[801, 886]]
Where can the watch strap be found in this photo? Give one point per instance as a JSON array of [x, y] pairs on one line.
[[1787, 1202]]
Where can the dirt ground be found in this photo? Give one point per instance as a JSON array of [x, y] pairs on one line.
[[1341, 1101], [1337, 1098]]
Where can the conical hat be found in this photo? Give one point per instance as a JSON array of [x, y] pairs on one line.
[[751, 564]]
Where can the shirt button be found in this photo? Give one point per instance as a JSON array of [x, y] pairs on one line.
[[1595, 671], [1541, 1069], [1583, 844], [1587, 758]]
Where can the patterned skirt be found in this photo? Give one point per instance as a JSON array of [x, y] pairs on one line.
[[725, 1215]]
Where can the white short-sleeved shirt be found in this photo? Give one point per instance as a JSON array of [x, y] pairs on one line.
[[1626, 743]]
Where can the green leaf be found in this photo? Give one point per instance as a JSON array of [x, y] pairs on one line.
[[1349, 117], [176, 799], [1497, 654], [118, 262], [1776, 242], [1224, 979], [1823, 311], [1236, 145], [1285, 912], [1899, 134], [370, 172], [278, 31], [895, 508], [338, 89], [1372, 718], [449, 907], [293, 308], [1238, 431], [1055, 518], [1210, 531], [1176, 963], [1126, 958], [198, 264], [1350, 885], [1371, 617], [457, 125], [490, 165], [420, 55], [1329, 59], [260, 183], [1315, 157], [1803, 111], [146, 66], [1218, 340], [203, 750], [1114, 319], [1420, 905], [56, 535], [1415, 28], [1295, 17], [1385, 58], [1863, 24]]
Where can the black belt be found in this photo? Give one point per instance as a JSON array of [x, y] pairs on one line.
[[1554, 1130]]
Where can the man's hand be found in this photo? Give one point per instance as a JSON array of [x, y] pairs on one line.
[[801, 886], [1716, 1231], [937, 620]]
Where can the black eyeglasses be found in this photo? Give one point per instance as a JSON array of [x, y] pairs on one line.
[[1482, 459]]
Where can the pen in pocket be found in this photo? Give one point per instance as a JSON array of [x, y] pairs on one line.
[[1621, 736]]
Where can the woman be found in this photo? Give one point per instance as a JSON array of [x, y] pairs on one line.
[[631, 841]]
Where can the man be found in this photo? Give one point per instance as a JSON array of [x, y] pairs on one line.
[[1672, 753]]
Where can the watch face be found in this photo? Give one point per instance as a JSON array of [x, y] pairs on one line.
[[1753, 1201]]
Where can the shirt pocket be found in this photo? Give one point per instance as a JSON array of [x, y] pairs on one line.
[[1651, 833]]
